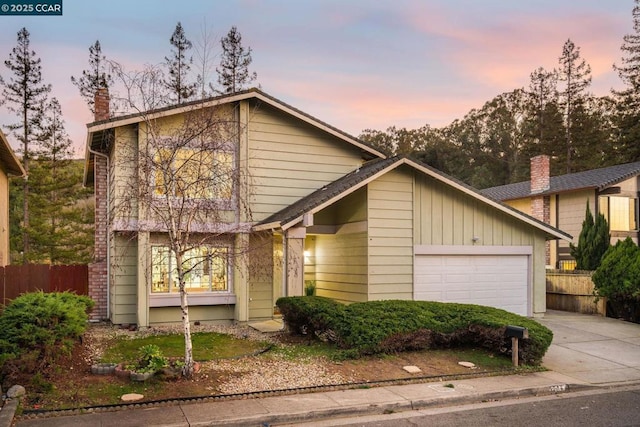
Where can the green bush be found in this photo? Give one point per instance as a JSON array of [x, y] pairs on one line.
[[618, 278], [43, 322], [593, 242], [393, 326], [310, 315]]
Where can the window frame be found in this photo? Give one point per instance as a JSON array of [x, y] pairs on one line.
[[605, 207]]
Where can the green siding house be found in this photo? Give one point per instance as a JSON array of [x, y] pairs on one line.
[[308, 203]]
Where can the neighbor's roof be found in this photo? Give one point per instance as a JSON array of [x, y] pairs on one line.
[[97, 131], [333, 192], [596, 178], [8, 158]]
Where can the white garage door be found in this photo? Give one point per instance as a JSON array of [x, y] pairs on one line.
[[494, 280]]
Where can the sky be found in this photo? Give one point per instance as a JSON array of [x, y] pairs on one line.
[[354, 64]]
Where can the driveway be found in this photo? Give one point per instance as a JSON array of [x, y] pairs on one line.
[[592, 349]]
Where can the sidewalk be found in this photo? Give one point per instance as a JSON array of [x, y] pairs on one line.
[[587, 351]]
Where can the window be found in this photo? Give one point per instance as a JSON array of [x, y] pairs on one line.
[[207, 270], [621, 212], [194, 173]]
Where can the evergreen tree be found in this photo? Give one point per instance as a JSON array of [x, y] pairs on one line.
[[179, 66], [60, 230], [96, 77], [628, 100], [593, 242], [577, 74], [26, 95], [233, 73]]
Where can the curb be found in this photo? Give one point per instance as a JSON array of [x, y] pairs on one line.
[[379, 409], [7, 412]]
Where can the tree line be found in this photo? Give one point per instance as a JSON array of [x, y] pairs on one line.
[[51, 213], [555, 115]]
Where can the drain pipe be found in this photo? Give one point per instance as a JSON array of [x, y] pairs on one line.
[[106, 157]]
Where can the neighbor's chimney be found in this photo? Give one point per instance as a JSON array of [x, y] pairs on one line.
[[101, 104], [539, 174]]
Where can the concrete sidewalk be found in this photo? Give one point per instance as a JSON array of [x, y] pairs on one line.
[[587, 351]]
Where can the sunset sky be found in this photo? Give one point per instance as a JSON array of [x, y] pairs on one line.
[[355, 64]]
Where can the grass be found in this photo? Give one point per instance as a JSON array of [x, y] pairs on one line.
[[206, 346]]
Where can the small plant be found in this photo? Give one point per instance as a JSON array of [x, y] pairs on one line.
[[151, 359], [309, 288], [449, 385]]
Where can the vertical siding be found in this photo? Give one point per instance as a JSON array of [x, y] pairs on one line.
[[341, 266], [390, 229], [123, 297], [289, 159], [260, 258], [446, 216]]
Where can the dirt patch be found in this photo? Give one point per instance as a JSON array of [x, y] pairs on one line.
[[70, 383]]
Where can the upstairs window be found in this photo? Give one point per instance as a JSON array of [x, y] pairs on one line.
[[193, 174], [621, 212]]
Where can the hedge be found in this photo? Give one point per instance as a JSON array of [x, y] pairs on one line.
[[392, 326]]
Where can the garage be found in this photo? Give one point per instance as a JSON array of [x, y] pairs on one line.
[[491, 276]]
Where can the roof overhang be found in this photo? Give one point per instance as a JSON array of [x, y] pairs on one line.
[[8, 158]]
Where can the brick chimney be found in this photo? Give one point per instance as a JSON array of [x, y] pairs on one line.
[[539, 174], [101, 104]]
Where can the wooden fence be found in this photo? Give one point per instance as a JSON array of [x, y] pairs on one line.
[[571, 290], [18, 279]]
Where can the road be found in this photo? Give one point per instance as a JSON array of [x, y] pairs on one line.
[[603, 407]]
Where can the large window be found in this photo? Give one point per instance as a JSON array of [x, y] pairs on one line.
[[206, 270], [194, 173], [620, 212]]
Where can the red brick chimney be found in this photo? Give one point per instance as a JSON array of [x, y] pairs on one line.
[[539, 174], [101, 104]]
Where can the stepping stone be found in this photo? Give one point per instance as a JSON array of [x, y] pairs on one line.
[[412, 369], [131, 397], [467, 365]]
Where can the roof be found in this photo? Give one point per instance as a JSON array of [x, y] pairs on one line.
[[333, 192], [10, 162], [97, 131], [598, 179]]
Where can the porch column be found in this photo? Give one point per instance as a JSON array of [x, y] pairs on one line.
[[294, 251], [144, 275], [241, 276]]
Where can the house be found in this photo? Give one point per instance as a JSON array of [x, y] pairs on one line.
[[9, 166], [561, 201], [308, 203]]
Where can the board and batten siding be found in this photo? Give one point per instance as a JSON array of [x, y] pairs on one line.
[[341, 266], [124, 274], [390, 230], [289, 159]]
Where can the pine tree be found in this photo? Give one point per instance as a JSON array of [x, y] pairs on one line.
[[96, 77], [61, 229], [593, 242], [179, 66], [233, 73], [26, 96], [577, 74], [628, 100]]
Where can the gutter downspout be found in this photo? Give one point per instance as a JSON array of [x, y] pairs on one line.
[[96, 153]]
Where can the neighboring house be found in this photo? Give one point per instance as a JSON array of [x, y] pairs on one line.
[[561, 201], [9, 166], [325, 207]]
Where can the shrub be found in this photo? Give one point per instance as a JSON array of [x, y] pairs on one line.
[[593, 242], [394, 326], [310, 315], [618, 278], [43, 322]]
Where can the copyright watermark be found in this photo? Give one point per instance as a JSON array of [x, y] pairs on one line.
[[31, 7]]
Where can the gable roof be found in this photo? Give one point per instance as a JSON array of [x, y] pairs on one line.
[[333, 192], [8, 158], [97, 130], [598, 179]]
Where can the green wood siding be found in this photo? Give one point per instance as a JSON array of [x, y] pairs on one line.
[[260, 257], [390, 230], [289, 159], [341, 266], [221, 314]]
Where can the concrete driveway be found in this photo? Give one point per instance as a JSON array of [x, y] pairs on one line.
[[592, 349]]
